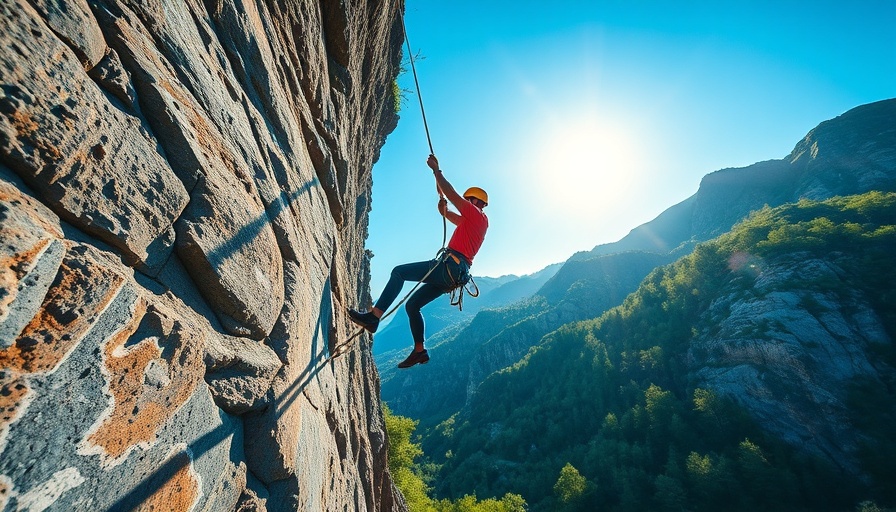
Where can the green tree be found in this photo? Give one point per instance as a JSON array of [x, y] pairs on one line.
[[469, 503], [408, 475], [706, 402], [402, 451], [613, 395], [402, 455], [571, 484]]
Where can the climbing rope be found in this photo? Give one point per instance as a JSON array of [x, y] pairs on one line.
[[407, 42], [416, 83], [442, 253]]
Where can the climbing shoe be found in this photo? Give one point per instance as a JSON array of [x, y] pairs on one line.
[[415, 358], [367, 320]]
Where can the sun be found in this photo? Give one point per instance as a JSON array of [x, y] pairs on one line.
[[587, 166]]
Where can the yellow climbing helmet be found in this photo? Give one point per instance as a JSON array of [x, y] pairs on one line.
[[477, 193]]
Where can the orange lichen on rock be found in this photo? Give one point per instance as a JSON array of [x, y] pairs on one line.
[[4, 492], [81, 292], [179, 493], [28, 229], [13, 267], [24, 124], [37, 213], [153, 366], [28, 129], [12, 392]]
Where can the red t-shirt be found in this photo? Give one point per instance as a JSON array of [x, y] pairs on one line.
[[470, 231]]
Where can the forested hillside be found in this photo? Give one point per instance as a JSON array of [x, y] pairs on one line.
[[757, 373]]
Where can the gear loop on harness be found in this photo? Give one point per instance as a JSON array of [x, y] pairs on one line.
[[457, 293]]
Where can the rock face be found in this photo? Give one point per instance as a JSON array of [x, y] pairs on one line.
[[791, 348], [184, 194]]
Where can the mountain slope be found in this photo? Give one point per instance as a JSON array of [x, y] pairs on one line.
[[756, 373]]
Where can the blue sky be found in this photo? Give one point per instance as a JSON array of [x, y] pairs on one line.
[[583, 120]]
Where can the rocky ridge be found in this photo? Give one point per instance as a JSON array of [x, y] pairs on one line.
[[791, 348], [850, 154], [184, 191], [779, 332]]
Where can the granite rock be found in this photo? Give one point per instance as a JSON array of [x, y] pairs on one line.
[[789, 350], [94, 165], [184, 195]]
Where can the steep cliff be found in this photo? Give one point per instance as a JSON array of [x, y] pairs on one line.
[[794, 349], [184, 194]]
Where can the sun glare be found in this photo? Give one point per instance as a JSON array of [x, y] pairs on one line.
[[587, 167]]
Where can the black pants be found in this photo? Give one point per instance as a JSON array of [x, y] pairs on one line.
[[448, 275]]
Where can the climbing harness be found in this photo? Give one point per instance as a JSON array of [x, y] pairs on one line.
[[459, 284], [457, 293]]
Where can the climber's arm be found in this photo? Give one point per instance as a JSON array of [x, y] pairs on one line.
[[443, 183], [448, 214]]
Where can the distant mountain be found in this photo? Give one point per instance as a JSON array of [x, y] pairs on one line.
[[757, 373], [440, 314], [852, 153]]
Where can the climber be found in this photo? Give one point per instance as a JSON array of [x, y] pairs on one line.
[[454, 264]]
